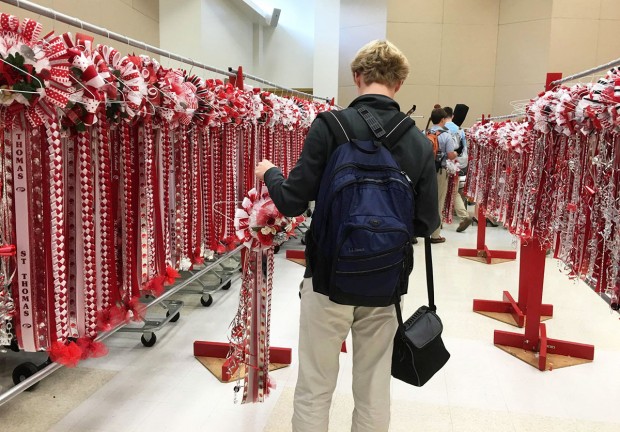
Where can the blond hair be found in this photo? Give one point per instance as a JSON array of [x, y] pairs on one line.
[[380, 61]]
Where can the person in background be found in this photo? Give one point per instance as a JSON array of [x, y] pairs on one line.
[[379, 70], [446, 145], [458, 135]]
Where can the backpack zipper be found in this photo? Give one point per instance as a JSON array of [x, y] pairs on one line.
[[382, 254], [350, 182], [399, 263], [375, 230]]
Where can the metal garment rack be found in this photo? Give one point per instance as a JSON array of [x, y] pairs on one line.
[[528, 310], [503, 117], [274, 85], [585, 73], [557, 82], [226, 276], [76, 22], [51, 367]]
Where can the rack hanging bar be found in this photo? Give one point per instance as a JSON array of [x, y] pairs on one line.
[[504, 117], [600, 68], [274, 85], [52, 367], [58, 16]]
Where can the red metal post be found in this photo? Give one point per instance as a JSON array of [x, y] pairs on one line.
[[295, 254], [531, 279], [552, 76], [482, 229], [237, 80], [532, 269], [481, 248], [221, 350]]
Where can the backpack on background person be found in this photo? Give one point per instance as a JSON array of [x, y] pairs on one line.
[[363, 219], [440, 156]]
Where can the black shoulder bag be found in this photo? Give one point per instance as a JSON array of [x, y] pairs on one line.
[[419, 351]]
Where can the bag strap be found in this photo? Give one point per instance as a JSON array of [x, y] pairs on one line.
[[339, 126], [397, 126], [430, 284], [372, 123]]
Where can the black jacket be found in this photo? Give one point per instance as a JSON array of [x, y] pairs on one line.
[[413, 153]]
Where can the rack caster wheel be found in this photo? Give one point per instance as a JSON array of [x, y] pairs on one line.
[[276, 249], [208, 302], [175, 318], [14, 345], [148, 342], [24, 371], [227, 286]]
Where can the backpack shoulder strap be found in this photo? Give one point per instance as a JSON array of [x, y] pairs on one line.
[[338, 125], [397, 126], [372, 123]]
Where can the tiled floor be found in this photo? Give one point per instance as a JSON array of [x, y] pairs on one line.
[[164, 388]]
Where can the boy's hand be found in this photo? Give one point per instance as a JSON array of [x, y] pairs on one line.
[[262, 168]]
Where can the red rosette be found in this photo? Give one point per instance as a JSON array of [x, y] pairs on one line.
[[171, 275], [109, 318], [265, 239], [91, 348], [156, 285], [267, 214], [258, 221], [135, 310], [68, 355]]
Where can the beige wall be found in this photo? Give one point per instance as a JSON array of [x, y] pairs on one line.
[[540, 36], [484, 53], [326, 52], [522, 52], [138, 19], [221, 34], [451, 46], [584, 33], [361, 21]]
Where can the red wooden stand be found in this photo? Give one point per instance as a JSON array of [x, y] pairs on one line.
[[535, 338], [295, 254], [529, 270], [481, 248], [221, 350]]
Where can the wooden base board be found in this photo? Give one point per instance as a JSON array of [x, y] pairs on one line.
[[298, 261], [506, 317], [554, 361], [214, 365], [483, 260]]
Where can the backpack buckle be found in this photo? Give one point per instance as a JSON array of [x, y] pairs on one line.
[[372, 122]]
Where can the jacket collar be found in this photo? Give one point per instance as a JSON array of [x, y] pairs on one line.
[[376, 101]]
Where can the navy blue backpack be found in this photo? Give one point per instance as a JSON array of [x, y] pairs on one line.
[[362, 224]]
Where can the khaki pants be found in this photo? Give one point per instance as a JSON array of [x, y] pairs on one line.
[[324, 325], [459, 205], [442, 188]]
